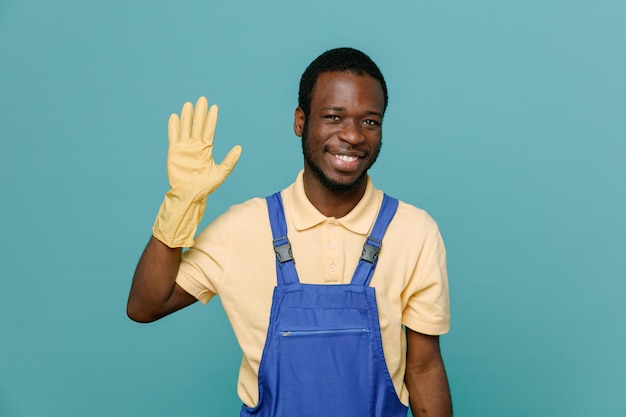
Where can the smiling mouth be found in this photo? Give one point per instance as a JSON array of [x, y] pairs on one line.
[[346, 158]]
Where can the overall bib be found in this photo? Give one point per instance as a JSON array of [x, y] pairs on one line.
[[323, 355]]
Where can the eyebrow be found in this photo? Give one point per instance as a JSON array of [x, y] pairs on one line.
[[374, 113], [338, 108]]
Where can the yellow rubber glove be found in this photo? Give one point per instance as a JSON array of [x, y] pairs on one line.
[[192, 173]]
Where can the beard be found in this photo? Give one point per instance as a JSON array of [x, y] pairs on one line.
[[330, 184]]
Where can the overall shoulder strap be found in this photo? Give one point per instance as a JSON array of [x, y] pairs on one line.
[[285, 265], [369, 258]]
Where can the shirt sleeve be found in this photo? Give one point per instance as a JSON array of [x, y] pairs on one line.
[[427, 300], [203, 266]]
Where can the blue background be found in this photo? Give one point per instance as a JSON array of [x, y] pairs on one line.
[[506, 122]]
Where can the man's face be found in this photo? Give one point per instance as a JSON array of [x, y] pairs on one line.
[[342, 136]]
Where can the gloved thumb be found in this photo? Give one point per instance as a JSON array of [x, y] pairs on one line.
[[230, 160]]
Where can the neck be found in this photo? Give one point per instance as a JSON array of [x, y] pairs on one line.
[[331, 203]]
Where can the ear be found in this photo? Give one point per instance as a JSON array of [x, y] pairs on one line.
[[298, 122]]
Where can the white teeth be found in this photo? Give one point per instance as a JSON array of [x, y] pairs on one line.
[[346, 158]]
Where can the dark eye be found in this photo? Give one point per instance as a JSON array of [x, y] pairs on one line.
[[332, 117], [371, 122]]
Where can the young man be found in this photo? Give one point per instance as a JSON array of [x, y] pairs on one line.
[[351, 328]]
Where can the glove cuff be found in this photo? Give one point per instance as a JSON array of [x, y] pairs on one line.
[[178, 219]]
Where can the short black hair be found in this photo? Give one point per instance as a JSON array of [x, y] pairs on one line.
[[337, 60]]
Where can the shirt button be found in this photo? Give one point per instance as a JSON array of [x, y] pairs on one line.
[[332, 245], [332, 268]]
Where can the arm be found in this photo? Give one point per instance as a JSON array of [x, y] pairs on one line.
[[425, 378], [154, 292], [193, 175]]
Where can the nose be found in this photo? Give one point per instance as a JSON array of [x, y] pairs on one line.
[[350, 132]]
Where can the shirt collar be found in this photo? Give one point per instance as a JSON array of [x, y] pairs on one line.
[[305, 215]]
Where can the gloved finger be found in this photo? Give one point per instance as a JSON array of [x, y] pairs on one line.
[[230, 160], [209, 125], [173, 129], [198, 117], [185, 121]]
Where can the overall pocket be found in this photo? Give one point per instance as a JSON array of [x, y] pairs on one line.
[[325, 372]]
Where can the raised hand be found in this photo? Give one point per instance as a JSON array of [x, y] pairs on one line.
[[192, 172]]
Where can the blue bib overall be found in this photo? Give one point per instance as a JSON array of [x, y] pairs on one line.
[[323, 355]]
